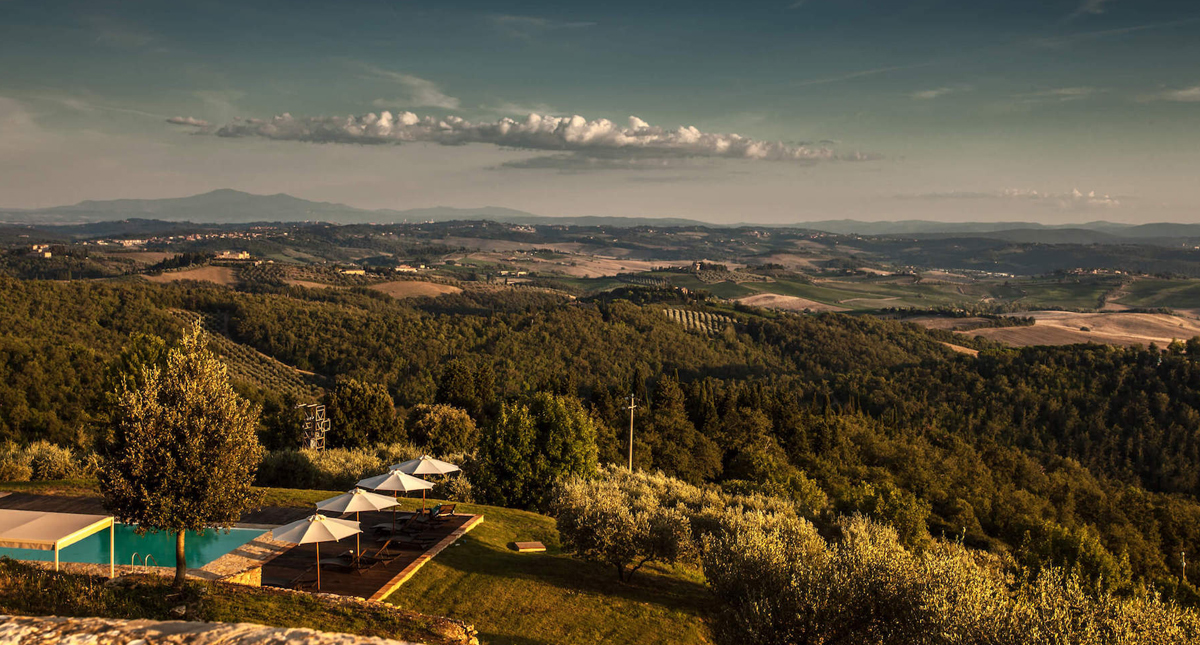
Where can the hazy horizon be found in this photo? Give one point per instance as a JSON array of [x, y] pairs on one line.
[[1061, 112]]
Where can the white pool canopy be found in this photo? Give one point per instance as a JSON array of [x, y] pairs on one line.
[[52, 531]]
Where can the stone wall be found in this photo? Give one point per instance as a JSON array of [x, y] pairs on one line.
[[34, 630]]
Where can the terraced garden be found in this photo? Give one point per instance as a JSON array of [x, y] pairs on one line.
[[247, 364], [699, 320]]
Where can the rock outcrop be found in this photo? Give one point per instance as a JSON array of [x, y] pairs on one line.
[[44, 630]]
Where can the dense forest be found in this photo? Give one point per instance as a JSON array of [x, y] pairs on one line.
[[1084, 456]]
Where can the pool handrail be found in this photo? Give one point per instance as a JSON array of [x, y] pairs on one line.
[[145, 561]]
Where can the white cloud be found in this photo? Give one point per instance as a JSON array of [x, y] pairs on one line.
[[416, 91], [928, 95], [1090, 8], [573, 134], [1050, 97], [530, 26], [189, 121], [1064, 93], [1185, 95], [1073, 200]]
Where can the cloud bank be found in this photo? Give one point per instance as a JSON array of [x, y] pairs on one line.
[[1185, 95], [572, 135]]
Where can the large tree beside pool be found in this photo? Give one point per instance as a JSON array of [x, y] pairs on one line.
[[181, 450]]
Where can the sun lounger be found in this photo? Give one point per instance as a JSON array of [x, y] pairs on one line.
[[443, 513], [400, 518], [382, 557]]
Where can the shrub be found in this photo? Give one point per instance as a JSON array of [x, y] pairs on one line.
[[14, 468], [342, 468], [48, 461], [781, 582], [397, 452], [456, 488], [333, 469]]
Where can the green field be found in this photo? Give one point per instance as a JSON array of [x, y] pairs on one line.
[[1067, 293], [868, 293], [1156, 292]]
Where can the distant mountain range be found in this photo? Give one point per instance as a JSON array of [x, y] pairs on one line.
[[236, 207], [227, 206]]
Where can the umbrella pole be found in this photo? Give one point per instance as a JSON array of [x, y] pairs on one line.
[[357, 538], [318, 566], [397, 494]]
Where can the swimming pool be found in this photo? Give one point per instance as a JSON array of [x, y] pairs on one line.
[[200, 548]]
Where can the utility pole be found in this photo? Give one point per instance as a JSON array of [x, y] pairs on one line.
[[632, 406]]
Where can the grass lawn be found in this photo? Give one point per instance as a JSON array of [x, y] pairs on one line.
[[518, 599], [544, 598]]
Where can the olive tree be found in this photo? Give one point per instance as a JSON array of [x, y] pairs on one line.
[[601, 521], [180, 452]]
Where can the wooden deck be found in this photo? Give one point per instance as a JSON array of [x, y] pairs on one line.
[[378, 581], [374, 583]]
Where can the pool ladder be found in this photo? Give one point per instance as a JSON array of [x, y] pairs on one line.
[[145, 561]]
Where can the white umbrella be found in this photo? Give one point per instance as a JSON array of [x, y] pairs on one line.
[[425, 465], [356, 501], [396, 481], [316, 529]]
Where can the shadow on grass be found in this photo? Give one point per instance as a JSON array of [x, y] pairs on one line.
[[653, 585], [510, 639]]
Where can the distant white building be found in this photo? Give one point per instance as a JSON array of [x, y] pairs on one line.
[[404, 268], [233, 255]]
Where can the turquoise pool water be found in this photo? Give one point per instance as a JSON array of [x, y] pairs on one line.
[[200, 548]]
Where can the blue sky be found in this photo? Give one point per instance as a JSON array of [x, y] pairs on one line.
[[1059, 111]]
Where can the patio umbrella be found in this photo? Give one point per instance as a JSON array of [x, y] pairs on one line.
[[316, 529], [425, 465], [396, 481], [356, 501]]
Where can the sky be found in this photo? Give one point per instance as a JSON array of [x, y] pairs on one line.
[[1051, 111]]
